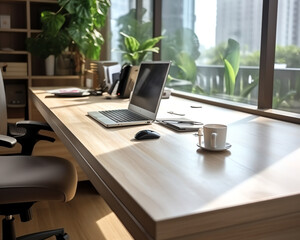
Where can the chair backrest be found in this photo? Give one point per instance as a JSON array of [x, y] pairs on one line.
[[3, 107]]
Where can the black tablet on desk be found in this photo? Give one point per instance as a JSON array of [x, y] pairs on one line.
[[181, 124]]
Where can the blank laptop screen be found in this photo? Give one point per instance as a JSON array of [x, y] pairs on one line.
[[149, 85]]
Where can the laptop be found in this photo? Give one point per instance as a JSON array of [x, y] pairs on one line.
[[144, 102]]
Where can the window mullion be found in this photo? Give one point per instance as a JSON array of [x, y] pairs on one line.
[[157, 25], [267, 57]]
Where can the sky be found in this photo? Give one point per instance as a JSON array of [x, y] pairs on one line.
[[206, 22]]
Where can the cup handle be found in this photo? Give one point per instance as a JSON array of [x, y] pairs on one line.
[[213, 140]]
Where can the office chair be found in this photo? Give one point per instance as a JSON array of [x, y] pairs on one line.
[[25, 180], [25, 132]]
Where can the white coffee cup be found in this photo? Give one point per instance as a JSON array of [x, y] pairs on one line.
[[214, 136]]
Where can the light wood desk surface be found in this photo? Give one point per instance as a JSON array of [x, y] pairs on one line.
[[169, 189]]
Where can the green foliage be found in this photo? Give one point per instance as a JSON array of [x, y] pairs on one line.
[[134, 27], [290, 55], [135, 52], [182, 48], [251, 59], [77, 21], [187, 66], [231, 63], [45, 45], [136, 37], [213, 54], [248, 89]]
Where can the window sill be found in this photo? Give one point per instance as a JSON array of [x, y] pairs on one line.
[[271, 113]]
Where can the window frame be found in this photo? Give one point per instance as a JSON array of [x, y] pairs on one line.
[[266, 67]]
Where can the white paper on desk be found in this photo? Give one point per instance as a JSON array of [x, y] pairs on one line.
[[177, 125], [69, 92]]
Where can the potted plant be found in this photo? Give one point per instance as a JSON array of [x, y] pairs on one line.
[[135, 52], [76, 24]]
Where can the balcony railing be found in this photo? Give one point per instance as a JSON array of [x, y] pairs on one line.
[[211, 82]]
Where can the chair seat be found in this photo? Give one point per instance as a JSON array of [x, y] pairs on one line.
[[31, 179]]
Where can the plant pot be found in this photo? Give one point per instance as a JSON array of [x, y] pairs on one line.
[[49, 65], [64, 65]]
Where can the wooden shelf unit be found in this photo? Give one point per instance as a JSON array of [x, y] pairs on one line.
[[24, 23]]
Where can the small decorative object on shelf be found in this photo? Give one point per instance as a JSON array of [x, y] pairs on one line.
[[5, 21]]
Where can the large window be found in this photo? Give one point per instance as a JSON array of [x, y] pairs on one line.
[[225, 50], [132, 17], [214, 46], [286, 90]]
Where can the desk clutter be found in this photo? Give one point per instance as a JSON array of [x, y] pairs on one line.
[[111, 77], [180, 124]]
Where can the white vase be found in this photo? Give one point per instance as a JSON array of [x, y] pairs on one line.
[[49, 65]]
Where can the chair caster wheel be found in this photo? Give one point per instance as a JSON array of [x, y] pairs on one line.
[[65, 236]]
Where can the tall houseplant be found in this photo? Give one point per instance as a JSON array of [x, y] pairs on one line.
[[77, 23], [231, 61]]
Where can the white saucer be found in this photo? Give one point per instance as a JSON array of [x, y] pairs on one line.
[[227, 146]]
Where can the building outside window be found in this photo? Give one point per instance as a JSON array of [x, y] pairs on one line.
[[286, 93]]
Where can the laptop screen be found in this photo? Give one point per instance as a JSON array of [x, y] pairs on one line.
[[149, 85]]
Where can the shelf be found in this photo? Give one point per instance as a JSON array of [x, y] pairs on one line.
[[24, 23], [38, 1], [44, 1], [22, 30], [35, 30], [75, 77], [16, 105], [12, 1], [15, 77], [14, 52]]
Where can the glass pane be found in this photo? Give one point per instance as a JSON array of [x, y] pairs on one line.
[[286, 91], [214, 47], [132, 17]]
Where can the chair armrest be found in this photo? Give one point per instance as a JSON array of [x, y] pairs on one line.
[[7, 141], [34, 125], [31, 135], [32, 129]]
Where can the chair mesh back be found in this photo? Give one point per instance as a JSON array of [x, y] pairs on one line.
[[3, 110]]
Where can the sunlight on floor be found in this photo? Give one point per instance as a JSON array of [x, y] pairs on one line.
[[108, 227]]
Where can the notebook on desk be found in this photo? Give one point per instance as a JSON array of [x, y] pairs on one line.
[[145, 99]]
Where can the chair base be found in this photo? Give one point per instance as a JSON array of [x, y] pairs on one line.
[[9, 232]]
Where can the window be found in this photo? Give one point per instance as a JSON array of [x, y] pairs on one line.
[[214, 46], [286, 87], [226, 51], [133, 18]]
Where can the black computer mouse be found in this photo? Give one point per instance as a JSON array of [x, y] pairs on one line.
[[146, 134]]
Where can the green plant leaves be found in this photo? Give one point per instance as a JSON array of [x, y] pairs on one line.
[[131, 44], [187, 66], [52, 23], [231, 64], [135, 51], [43, 46], [149, 44], [77, 21]]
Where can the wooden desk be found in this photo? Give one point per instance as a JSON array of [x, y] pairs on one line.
[[169, 189]]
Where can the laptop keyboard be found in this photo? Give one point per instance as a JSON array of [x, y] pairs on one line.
[[123, 115]]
